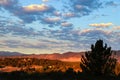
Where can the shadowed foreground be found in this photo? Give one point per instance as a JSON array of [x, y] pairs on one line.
[[58, 75]]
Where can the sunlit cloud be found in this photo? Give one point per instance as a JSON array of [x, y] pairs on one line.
[[36, 8], [52, 20], [27, 13], [116, 28], [101, 25]]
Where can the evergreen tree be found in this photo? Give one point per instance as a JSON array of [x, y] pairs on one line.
[[98, 61]]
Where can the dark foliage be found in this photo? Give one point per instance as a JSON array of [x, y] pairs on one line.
[[70, 74], [99, 61], [53, 75]]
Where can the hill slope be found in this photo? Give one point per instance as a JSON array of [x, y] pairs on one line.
[[68, 56]]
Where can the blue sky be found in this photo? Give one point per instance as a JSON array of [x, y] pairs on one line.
[[58, 26]]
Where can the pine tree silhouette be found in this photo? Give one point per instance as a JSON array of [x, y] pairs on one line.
[[98, 61]]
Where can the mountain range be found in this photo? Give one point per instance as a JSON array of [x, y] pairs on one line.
[[68, 56]]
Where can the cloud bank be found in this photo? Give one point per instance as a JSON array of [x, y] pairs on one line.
[[58, 31]]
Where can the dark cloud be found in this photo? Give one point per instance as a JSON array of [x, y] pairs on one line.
[[96, 34], [66, 24], [10, 5], [112, 3], [43, 12], [57, 13], [11, 43], [27, 13], [34, 12], [16, 28], [68, 39], [34, 46], [77, 35], [69, 15], [18, 44], [79, 38], [85, 7]]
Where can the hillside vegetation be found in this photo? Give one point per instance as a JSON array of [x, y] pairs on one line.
[[39, 65]]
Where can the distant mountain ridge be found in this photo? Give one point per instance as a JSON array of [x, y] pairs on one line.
[[7, 53], [68, 56]]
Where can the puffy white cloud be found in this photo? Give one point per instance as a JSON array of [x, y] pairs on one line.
[[101, 25]]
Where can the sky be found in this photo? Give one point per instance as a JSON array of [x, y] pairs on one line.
[[58, 26]]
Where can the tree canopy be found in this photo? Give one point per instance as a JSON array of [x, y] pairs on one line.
[[99, 61]]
